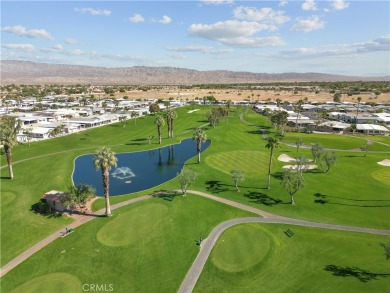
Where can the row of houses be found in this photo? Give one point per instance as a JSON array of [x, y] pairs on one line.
[[376, 123]]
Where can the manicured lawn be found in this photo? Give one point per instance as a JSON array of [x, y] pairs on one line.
[[309, 261], [144, 247], [332, 141], [354, 192]]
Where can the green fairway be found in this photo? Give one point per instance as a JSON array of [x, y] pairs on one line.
[[255, 163], [144, 220], [156, 262], [353, 192], [236, 252], [332, 141], [55, 282], [306, 262]]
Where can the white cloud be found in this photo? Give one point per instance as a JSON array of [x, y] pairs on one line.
[[71, 41], [282, 3], [19, 47], [58, 47], [92, 11], [34, 33], [339, 4], [376, 45], [75, 52], [178, 56], [216, 2], [165, 19], [309, 5], [235, 33], [267, 15], [309, 24], [245, 42], [137, 18], [226, 29], [201, 49], [193, 48]]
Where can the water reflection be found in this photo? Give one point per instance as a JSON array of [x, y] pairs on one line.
[[138, 170]]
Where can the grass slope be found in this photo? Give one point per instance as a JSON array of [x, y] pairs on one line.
[[305, 262], [152, 261]]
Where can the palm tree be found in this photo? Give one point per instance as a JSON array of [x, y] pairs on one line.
[[104, 159], [173, 117], [199, 137], [357, 110], [9, 128], [159, 121], [272, 144], [134, 115], [298, 107]]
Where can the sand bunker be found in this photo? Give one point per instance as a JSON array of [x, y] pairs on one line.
[[385, 162], [286, 158], [193, 111], [307, 167]]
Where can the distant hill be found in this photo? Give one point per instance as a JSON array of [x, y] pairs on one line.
[[24, 72]]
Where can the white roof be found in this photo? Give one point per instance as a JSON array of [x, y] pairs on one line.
[[40, 130], [371, 127]]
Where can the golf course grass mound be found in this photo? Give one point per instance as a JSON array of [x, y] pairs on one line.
[[382, 175], [133, 225], [254, 163], [55, 282], [240, 248], [7, 197]]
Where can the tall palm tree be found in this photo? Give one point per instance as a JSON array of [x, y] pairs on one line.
[[199, 136], [173, 117], [104, 159], [272, 144], [9, 128], [159, 121], [298, 108], [357, 110]]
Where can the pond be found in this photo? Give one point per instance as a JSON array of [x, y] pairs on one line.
[[137, 171]]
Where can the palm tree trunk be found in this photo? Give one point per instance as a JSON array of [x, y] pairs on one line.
[[8, 154], [159, 134], [106, 194], [237, 189], [292, 200], [172, 128], [169, 126], [198, 149], [269, 169]]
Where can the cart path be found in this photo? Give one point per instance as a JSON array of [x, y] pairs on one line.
[[190, 279], [207, 245], [80, 220]]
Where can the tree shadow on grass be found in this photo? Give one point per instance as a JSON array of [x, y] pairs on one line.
[[325, 199], [262, 198], [215, 186], [278, 175], [361, 275], [257, 132]]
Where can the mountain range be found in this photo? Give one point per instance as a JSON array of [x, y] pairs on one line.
[[25, 72]]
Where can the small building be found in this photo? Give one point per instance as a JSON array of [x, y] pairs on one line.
[[371, 129], [54, 199]]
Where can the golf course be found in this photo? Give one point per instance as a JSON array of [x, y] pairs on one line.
[[150, 245]]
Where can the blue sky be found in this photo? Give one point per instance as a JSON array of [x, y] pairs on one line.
[[331, 36]]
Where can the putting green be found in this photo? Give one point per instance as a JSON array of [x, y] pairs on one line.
[[240, 248], [254, 163], [382, 175], [55, 282], [7, 197], [132, 225]]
